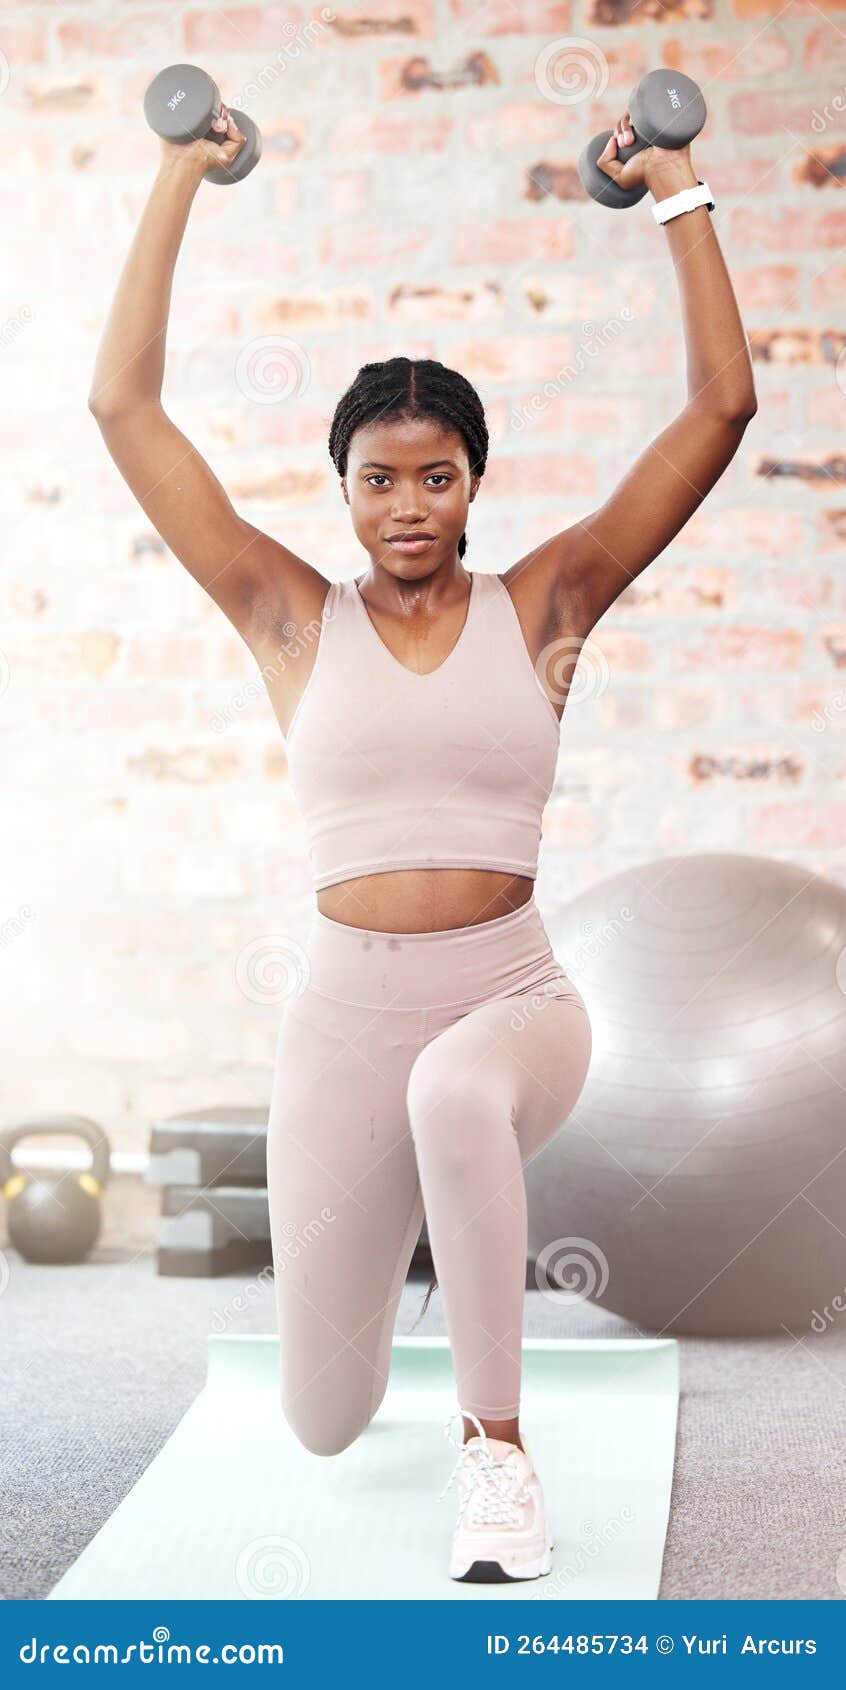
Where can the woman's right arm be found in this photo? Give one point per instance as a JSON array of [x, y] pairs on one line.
[[253, 578]]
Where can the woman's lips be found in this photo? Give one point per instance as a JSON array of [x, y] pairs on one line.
[[416, 545]]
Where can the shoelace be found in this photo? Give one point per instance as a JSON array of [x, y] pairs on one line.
[[494, 1492]]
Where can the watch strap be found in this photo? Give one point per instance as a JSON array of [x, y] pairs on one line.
[[686, 200]]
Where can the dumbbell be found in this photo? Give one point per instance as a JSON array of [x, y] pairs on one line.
[[667, 109], [181, 104]]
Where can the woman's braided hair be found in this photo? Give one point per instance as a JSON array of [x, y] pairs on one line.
[[402, 389]]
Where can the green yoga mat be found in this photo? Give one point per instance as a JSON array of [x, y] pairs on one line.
[[234, 1507]]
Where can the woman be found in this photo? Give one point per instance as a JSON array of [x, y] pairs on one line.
[[437, 1044]]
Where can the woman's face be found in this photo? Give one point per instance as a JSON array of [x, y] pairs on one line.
[[409, 478]]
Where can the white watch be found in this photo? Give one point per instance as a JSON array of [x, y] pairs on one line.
[[687, 200]]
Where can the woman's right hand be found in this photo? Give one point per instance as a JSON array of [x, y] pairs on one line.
[[207, 155]]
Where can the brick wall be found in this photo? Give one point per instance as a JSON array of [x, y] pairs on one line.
[[417, 193]]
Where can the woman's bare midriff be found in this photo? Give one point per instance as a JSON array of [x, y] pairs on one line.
[[424, 900]]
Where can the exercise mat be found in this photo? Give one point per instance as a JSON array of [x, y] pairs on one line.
[[233, 1506]]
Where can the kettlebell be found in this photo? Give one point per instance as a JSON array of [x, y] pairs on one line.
[[54, 1219]]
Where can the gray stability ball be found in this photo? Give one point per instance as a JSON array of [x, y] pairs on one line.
[[699, 1185]]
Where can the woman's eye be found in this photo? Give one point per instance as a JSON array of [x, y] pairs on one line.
[[378, 477]]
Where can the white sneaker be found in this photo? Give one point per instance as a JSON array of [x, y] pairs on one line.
[[502, 1532]]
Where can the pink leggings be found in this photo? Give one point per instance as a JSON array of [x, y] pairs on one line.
[[414, 1069]]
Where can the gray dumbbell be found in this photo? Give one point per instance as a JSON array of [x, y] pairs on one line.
[[181, 104], [667, 109]]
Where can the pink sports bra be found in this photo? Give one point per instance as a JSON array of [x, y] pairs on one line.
[[392, 769]]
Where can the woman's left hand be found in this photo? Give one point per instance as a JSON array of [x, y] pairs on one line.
[[645, 166]]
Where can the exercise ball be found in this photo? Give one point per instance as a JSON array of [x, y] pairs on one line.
[[699, 1185]]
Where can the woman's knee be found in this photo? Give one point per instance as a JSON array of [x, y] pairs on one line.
[[327, 1432], [327, 1415]]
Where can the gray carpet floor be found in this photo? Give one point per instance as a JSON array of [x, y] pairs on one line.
[[100, 1362]]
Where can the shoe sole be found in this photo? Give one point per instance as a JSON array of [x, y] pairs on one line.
[[491, 1572]]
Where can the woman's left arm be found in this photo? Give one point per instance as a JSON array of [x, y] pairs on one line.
[[588, 565]]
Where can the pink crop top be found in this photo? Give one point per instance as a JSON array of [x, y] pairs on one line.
[[393, 769]]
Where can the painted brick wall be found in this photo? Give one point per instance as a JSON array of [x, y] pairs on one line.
[[417, 193]]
